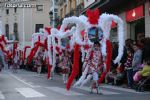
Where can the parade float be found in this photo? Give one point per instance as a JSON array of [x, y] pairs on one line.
[[94, 26]]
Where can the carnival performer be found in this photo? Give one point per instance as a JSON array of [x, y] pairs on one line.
[[94, 64], [65, 64], [15, 63], [38, 62]]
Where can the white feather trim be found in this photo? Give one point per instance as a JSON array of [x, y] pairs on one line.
[[105, 22], [49, 49], [86, 80], [84, 73]]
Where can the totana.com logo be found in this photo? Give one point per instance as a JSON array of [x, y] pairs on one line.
[[19, 5]]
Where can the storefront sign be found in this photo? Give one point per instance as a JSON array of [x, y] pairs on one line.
[[88, 3], [135, 14]]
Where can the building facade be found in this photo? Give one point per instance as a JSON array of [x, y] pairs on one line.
[[69, 8], [134, 13], [54, 16], [21, 21]]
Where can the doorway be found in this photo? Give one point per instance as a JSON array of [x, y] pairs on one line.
[[137, 30]]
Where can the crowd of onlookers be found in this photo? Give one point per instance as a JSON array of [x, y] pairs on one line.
[[134, 65]]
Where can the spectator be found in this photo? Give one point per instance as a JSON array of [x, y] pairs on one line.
[[146, 49], [120, 76], [129, 43], [145, 72], [57, 69], [115, 77], [38, 63], [128, 67], [115, 53], [109, 79], [137, 58]]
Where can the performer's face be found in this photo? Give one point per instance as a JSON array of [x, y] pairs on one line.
[[96, 47], [66, 53]]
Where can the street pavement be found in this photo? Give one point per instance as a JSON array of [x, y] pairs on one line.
[[25, 85]]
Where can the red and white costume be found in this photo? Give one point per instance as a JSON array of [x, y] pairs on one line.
[[93, 65]]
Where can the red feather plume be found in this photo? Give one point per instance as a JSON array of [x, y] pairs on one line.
[[93, 16], [49, 69], [25, 49], [108, 61], [75, 68]]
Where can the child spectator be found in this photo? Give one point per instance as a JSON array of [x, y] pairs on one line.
[[145, 72], [128, 67]]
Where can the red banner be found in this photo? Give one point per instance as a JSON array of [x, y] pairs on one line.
[[135, 14]]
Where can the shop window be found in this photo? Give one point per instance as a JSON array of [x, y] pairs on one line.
[[7, 30], [55, 10], [38, 26], [16, 31], [39, 7], [15, 10], [137, 30], [7, 11]]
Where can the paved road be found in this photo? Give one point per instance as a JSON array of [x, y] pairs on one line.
[[30, 86]]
